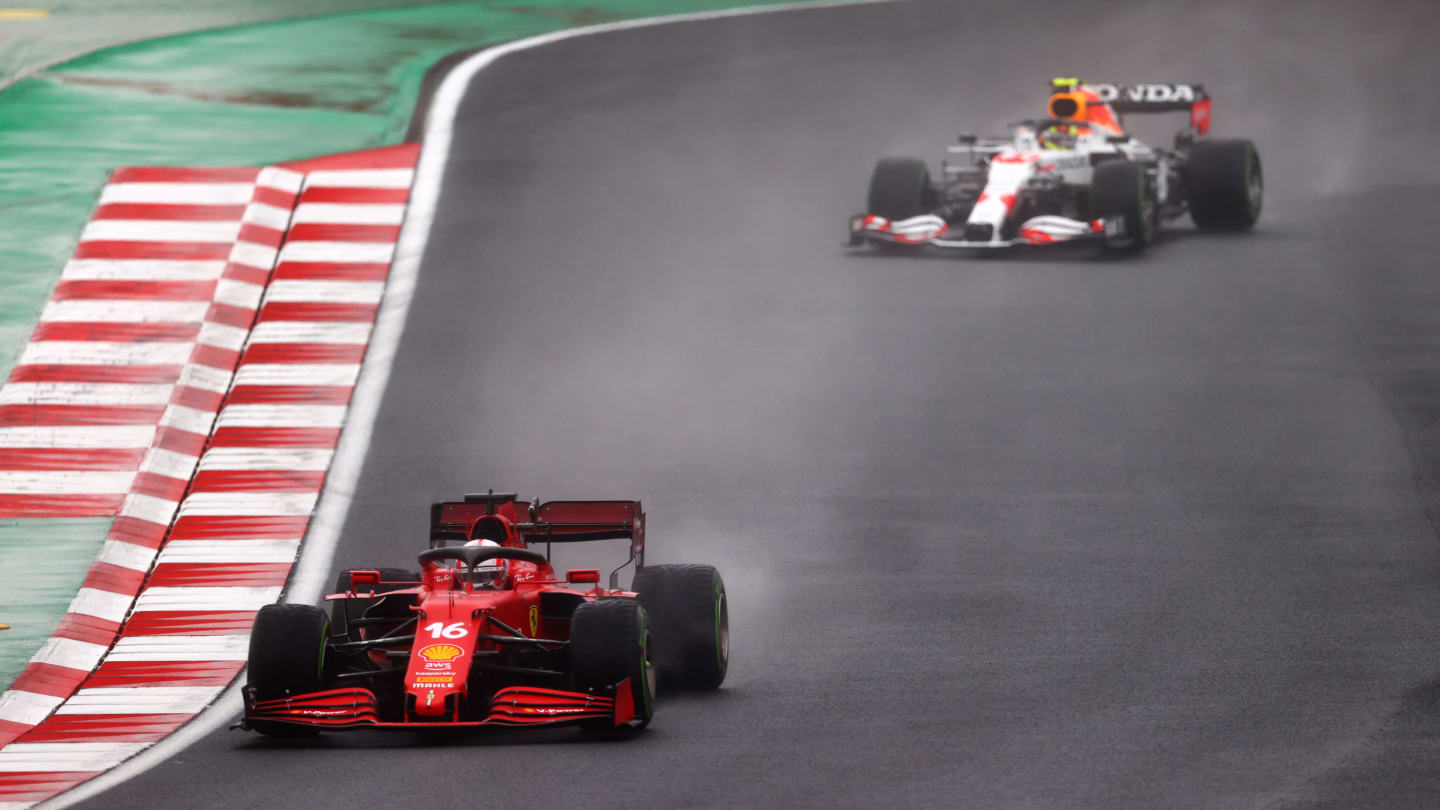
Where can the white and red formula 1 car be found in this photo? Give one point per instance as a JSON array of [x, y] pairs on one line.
[[1074, 175]]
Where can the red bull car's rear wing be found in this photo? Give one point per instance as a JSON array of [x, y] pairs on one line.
[[1158, 98]]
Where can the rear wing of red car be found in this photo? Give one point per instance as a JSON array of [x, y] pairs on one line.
[[550, 522], [1159, 98]]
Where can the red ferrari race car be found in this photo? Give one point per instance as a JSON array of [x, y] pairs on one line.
[[486, 634]]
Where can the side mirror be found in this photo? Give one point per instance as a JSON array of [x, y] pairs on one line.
[[371, 578], [578, 575], [968, 139]]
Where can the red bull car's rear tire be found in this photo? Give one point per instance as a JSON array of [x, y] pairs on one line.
[[1224, 185]]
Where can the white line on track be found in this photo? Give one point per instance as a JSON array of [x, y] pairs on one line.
[[318, 550]]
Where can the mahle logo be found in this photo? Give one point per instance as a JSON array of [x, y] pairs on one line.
[[441, 652]]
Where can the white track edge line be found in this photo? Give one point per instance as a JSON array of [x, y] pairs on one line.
[[317, 550]]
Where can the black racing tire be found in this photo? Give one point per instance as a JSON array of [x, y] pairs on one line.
[[899, 189], [610, 641], [1224, 184], [1119, 188], [691, 617], [394, 608], [287, 657]]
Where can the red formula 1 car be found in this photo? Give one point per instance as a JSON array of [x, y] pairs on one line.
[[486, 634]]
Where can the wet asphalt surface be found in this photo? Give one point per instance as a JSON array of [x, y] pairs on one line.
[[1038, 530]]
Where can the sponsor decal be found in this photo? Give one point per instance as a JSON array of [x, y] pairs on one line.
[[439, 666], [534, 621], [441, 652], [1150, 93], [432, 682]]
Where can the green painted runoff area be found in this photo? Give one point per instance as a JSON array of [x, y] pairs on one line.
[[252, 95]]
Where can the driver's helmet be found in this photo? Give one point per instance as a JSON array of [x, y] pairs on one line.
[[1061, 135], [490, 573]]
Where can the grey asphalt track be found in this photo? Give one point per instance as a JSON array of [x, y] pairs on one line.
[[1024, 531]]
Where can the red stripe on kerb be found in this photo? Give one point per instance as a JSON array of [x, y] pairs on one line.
[[183, 213], [237, 527], [106, 727], [58, 415], [305, 353], [274, 196], [400, 156], [96, 374], [328, 271], [230, 315], [92, 629], [331, 232], [214, 356], [244, 272], [49, 679], [254, 480], [137, 531], [190, 623], [316, 311], [237, 575], [135, 290], [105, 576], [34, 786], [9, 730], [119, 332], [71, 458], [180, 441], [159, 486], [260, 235], [197, 398], [40, 506], [275, 437], [166, 673], [292, 394], [194, 251], [168, 174], [341, 194]]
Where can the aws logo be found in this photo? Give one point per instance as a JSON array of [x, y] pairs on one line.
[[441, 652], [1151, 93]]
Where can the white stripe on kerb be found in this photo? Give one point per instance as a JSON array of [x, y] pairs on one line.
[[284, 179], [63, 757], [238, 293], [125, 311], [168, 463], [65, 482], [181, 648], [349, 214], [65, 393], [345, 252], [229, 551], [69, 653], [28, 708], [191, 420], [297, 374], [361, 178], [96, 436], [254, 255], [267, 216], [198, 598], [206, 378], [149, 508], [126, 555], [95, 353], [222, 335], [193, 193], [101, 604], [141, 270], [330, 292], [265, 458], [310, 332], [314, 416], [248, 503], [159, 230], [140, 700]]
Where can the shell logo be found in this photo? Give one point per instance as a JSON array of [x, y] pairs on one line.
[[441, 652]]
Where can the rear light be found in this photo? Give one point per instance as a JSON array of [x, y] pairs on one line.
[[578, 575], [364, 578]]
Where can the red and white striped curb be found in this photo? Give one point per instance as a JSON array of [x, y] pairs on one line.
[[262, 436]]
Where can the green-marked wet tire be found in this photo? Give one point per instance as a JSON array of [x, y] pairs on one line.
[[1120, 195], [692, 622], [1224, 185], [287, 657], [610, 641]]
